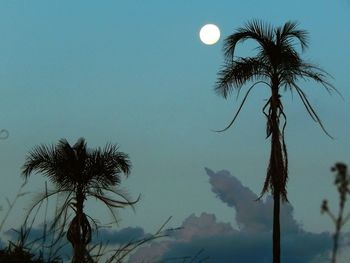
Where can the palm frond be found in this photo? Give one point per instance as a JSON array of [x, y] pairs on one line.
[[320, 76], [236, 73], [310, 109], [119, 159], [254, 30], [41, 159], [286, 34], [104, 167], [241, 106]]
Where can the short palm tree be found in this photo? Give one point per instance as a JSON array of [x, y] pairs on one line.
[[277, 64], [80, 172]]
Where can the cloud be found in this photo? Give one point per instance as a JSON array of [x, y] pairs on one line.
[[2, 244], [250, 243], [119, 236], [197, 227], [221, 243], [38, 241], [252, 215], [105, 237]]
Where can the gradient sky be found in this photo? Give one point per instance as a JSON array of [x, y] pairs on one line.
[[135, 73]]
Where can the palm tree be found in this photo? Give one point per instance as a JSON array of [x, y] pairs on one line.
[[277, 64], [80, 172]]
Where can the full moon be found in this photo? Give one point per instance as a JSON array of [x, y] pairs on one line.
[[209, 34]]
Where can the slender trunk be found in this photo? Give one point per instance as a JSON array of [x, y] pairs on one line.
[[276, 250], [338, 226], [76, 230], [335, 246], [276, 171], [80, 248]]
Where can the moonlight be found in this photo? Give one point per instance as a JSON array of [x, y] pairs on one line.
[[209, 34]]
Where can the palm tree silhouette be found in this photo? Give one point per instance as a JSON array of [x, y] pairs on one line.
[[277, 64], [80, 173]]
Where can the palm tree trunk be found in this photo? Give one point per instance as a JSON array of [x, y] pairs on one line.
[[276, 250], [80, 248], [276, 181], [276, 174], [276, 170], [75, 233]]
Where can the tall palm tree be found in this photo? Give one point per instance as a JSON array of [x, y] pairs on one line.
[[276, 64], [80, 172]]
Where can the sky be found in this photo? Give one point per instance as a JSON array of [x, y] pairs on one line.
[[135, 73]]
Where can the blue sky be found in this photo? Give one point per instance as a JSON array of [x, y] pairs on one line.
[[135, 73]]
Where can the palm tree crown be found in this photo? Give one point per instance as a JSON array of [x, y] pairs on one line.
[[69, 167]]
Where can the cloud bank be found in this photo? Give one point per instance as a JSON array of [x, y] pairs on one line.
[[203, 237], [118, 237], [40, 243]]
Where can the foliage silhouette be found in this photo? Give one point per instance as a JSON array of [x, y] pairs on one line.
[[17, 254], [11, 204], [79, 172], [277, 65], [32, 250], [342, 182], [24, 250]]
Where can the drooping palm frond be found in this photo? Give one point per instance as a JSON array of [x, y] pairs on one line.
[[254, 30], [112, 198], [241, 105], [41, 159], [286, 35], [238, 72], [105, 166]]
